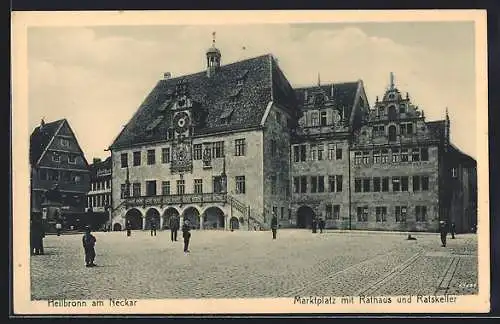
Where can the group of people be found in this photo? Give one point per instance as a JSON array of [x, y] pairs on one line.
[[316, 223]]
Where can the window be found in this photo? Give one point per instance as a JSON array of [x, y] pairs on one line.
[[165, 155], [331, 183], [400, 213], [362, 213], [416, 183], [66, 176], [392, 133], [385, 184], [218, 149], [273, 184], [381, 111], [376, 184], [425, 183], [415, 154], [336, 212], [321, 184], [296, 184], [136, 189], [197, 152], [339, 154], [409, 129], [339, 183], [278, 117], [366, 185], [331, 150], [181, 187], [404, 183], [43, 174], [402, 108], [329, 211], [320, 152], [395, 155], [77, 179], [357, 185], [282, 213], [296, 155], [56, 157], [402, 129], [366, 157], [454, 172], [151, 157], [239, 147], [421, 213], [314, 118], [273, 147], [376, 156], [303, 184], [404, 155], [124, 160], [396, 182], [424, 154], [384, 156], [380, 214], [198, 186], [65, 142], [314, 182], [165, 188], [303, 153], [72, 159], [357, 158], [137, 158], [218, 184], [151, 188], [240, 184], [123, 189], [323, 118], [313, 152]]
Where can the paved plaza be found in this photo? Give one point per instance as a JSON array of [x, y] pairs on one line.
[[243, 264]]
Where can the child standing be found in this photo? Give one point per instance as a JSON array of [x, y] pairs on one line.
[[88, 246]]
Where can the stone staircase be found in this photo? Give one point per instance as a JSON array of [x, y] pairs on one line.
[[254, 220]]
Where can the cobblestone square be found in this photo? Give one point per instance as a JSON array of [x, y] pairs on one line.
[[241, 264]]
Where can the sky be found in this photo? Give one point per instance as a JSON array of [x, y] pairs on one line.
[[96, 77]]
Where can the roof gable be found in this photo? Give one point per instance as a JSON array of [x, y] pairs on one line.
[[239, 91], [40, 139]]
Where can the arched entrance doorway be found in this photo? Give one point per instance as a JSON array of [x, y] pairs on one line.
[[134, 216], [305, 215], [169, 212], [213, 218], [117, 227], [392, 133], [193, 215], [152, 217], [234, 223]]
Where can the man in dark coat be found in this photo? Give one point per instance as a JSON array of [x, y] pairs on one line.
[[37, 235], [444, 231], [321, 224], [153, 228], [186, 234], [88, 241], [174, 227], [314, 224], [452, 230], [274, 225], [128, 226]]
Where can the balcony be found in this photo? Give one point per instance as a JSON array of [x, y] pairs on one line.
[[176, 199]]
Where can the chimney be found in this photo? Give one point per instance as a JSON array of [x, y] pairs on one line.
[[42, 124], [167, 75]]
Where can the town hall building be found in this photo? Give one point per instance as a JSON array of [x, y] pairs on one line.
[[230, 146]]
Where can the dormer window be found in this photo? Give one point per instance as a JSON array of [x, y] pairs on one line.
[[402, 108], [239, 83], [226, 115], [319, 100], [56, 157], [64, 142], [72, 159]]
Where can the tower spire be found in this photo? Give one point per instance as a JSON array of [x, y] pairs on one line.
[[213, 39], [319, 80], [391, 81], [213, 58]]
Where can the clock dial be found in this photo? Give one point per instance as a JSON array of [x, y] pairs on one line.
[[182, 122]]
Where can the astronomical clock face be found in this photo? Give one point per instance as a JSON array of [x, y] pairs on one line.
[[182, 122]]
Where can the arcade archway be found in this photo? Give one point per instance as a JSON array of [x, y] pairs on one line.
[[234, 223], [213, 218], [152, 217], [134, 216], [305, 215], [117, 227], [169, 213], [193, 215]]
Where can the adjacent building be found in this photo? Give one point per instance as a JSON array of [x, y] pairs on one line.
[[99, 196], [229, 146], [59, 175]]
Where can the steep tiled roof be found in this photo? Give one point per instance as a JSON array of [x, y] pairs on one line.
[[343, 93], [41, 137], [218, 95], [437, 128], [461, 156]]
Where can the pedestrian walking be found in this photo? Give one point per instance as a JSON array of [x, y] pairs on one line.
[[452, 230], [153, 228], [274, 225], [128, 226], [321, 224], [174, 227], [186, 234], [58, 228], [444, 231], [314, 225], [88, 241], [37, 235]]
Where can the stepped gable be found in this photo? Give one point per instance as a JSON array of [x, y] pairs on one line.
[[437, 128], [240, 92], [41, 137]]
